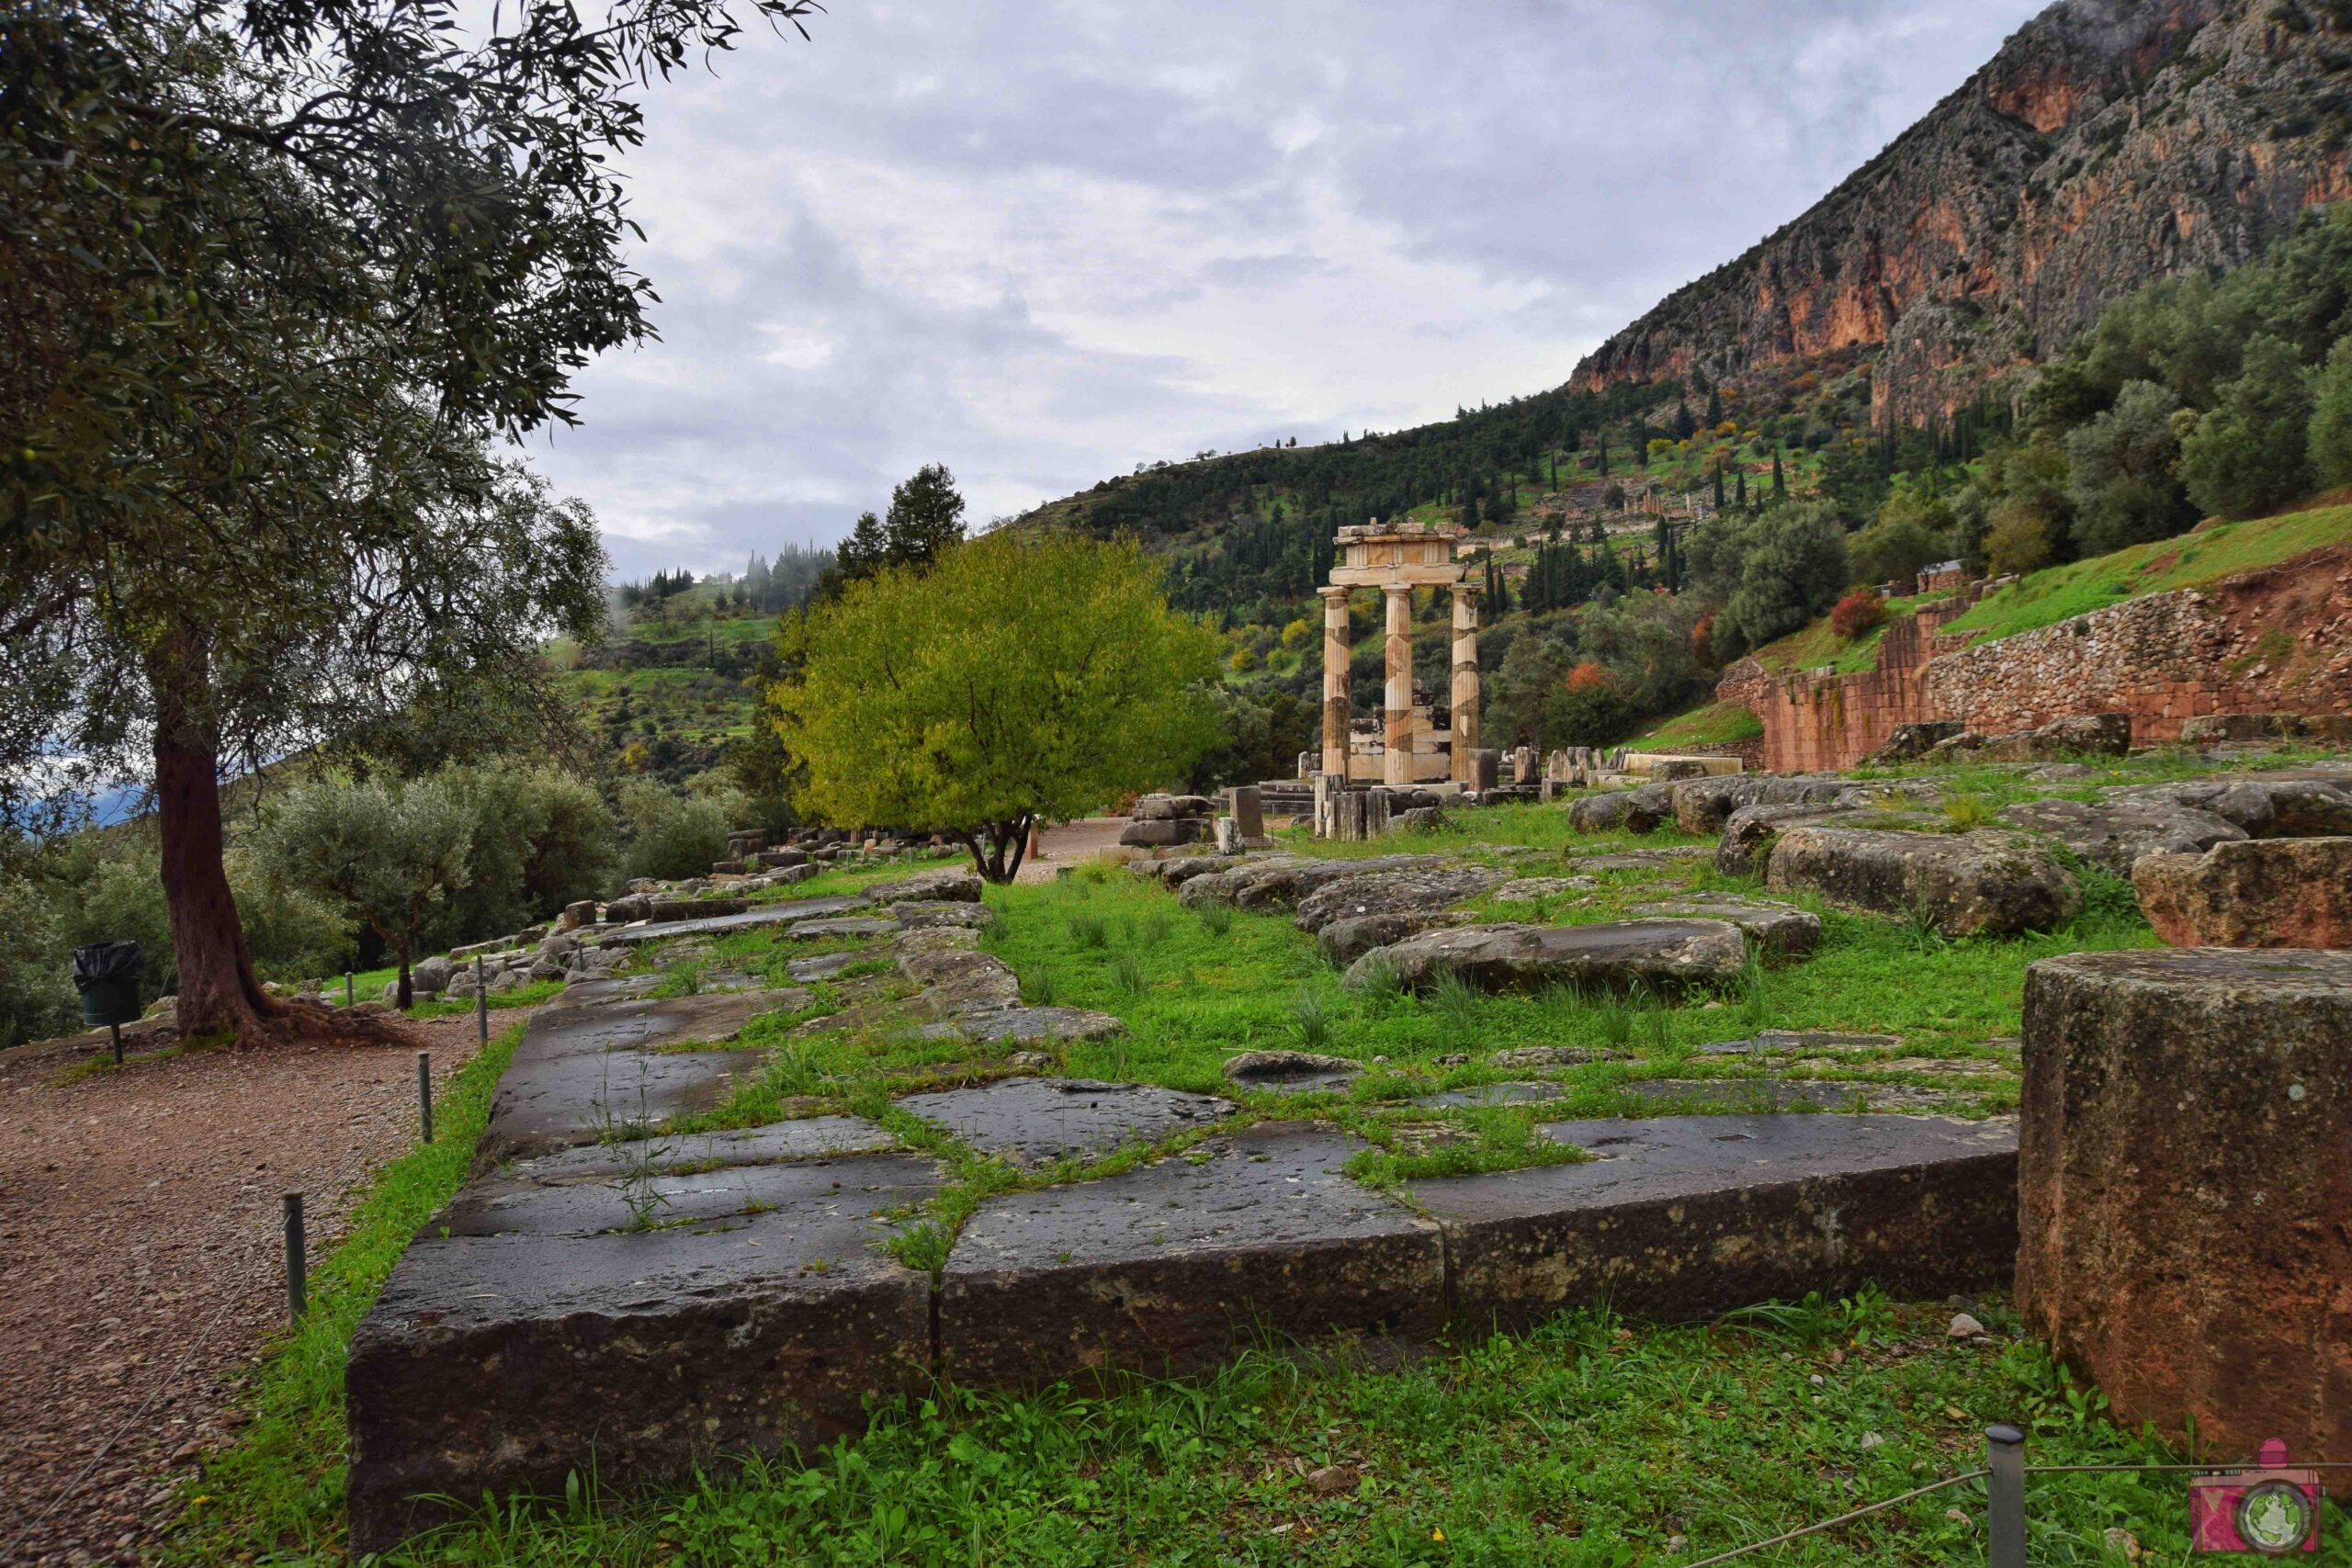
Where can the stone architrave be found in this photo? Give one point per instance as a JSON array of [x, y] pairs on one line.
[[2185, 1188], [1396, 766], [1465, 679], [1335, 681]]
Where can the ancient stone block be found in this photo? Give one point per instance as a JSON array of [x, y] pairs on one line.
[[1247, 807], [953, 884], [1168, 1268], [534, 1347], [2185, 1188], [2260, 893], [1983, 883], [1147, 833], [1038, 1121], [1616, 956], [1781, 929], [784, 913], [1402, 891], [1687, 1216], [1344, 940], [1295, 1072], [2115, 833]]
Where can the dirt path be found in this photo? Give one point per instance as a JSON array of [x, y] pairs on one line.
[[141, 1258], [1069, 843]]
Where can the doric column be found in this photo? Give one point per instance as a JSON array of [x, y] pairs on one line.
[[1466, 678], [1335, 680], [1398, 710]]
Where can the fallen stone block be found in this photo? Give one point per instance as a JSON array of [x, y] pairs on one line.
[[1909, 743], [1684, 1217], [2115, 833], [846, 925], [1617, 956], [530, 1349], [2185, 1200], [957, 884], [1168, 1268], [1638, 811], [1036, 1122], [1782, 929], [784, 912], [912, 914], [2304, 803], [2253, 893], [1172, 807], [1153, 833], [1702, 805], [991, 1025], [1748, 834], [1291, 1072], [1536, 889], [1342, 942], [1283, 882], [1407, 891], [1986, 883], [2100, 735]]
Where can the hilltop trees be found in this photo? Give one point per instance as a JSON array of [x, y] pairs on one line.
[[926, 518], [1029, 674], [1773, 572]]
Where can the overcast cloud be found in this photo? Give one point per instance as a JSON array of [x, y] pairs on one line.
[[1044, 241]]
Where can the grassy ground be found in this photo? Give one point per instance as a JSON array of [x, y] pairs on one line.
[[1717, 724], [1589, 1441]]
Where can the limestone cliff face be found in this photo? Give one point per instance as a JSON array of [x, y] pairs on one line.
[[2108, 142]]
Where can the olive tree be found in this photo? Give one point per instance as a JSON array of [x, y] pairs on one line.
[[271, 275], [1029, 674]]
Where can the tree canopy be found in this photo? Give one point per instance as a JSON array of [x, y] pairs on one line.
[[1030, 674]]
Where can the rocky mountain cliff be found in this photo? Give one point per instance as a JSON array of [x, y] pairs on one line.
[[2109, 142]]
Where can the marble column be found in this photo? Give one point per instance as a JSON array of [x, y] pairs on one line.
[[1335, 680], [1465, 679], [1398, 708]]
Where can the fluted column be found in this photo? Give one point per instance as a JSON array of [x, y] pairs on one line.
[[1335, 680], [1466, 678], [1399, 710]]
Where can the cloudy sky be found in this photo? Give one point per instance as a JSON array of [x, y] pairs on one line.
[[1043, 241]]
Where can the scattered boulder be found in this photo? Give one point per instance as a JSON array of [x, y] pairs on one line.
[[1345, 940], [959, 885], [2259, 893], [1177, 870], [2242, 729], [1703, 806], [1533, 889], [914, 913], [1553, 1056], [1986, 883], [1156, 834], [1749, 833], [1282, 882], [2265, 805], [1291, 1072], [1636, 811], [2100, 734], [2115, 833], [1403, 891], [1172, 808], [1616, 956], [1909, 743], [580, 912], [1782, 929], [431, 974]]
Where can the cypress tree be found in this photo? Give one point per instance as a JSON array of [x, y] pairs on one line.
[[1780, 484], [1719, 488], [1740, 498]]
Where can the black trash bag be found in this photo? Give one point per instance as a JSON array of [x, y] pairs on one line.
[[104, 961]]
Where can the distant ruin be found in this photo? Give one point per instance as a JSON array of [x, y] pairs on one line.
[[1397, 558]]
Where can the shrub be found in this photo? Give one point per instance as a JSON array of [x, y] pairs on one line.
[[672, 836], [2020, 540], [1859, 612]]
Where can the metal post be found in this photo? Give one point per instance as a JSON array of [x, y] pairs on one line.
[[482, 1002], [424, 1092], [297, 1284], [346, 987], [2004, 1497]]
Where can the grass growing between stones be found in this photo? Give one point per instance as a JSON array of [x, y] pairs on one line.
[[1587, 1442], [280, 1487]]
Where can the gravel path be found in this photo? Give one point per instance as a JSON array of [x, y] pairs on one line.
[[1070, 842], [140, 1257]]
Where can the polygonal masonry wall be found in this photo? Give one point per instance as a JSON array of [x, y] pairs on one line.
[[647, 1310]]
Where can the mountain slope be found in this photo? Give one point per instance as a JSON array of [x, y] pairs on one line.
[[2109, 142]]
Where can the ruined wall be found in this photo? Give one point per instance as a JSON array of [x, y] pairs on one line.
[[2277, 640]]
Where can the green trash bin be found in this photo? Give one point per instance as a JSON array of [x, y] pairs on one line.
[[106, 973]]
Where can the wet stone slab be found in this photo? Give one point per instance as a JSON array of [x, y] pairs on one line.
[[1039, 1121], [826, 965], [1685, 1217], [812, 1137], [785, 913], [1517, 1093], [505, 1360], [580, 1071], [1171, 1266]]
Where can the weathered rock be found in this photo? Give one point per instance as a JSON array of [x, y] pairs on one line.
[[785, 912], [954, 978], [1908, 743], [1703, 806], [2101, 735], [1793, 1041], [826, 965], [2185, 1188], [1485, 1094], [952, 885], [1637, 860], [1291, 1071], [1172, 808], [1168, 1268], [1782, 929], [845, 925], [580, 912], [1536, 889], [1036, 1122], [1228, 836], [2297, 804], [1638, 811], [1986, 883], [914, 914], [1283, 882], [504, 1362], [1159, 833], [1687, 1216], [998, 1025], [2115, 833], [1617, 956], [1177, 870], [1748, 834], [1344, 940], [2262, 893], [1409, 891], [432, 974], [1553, 1056]]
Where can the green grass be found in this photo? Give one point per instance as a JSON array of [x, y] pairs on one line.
[[2189, 560], [1716, 724], [280, 1485]]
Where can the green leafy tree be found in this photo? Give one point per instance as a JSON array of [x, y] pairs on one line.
[[2119, 471], [2331, 427], [540, 838], [926, 518], [1029, 674], [1771, 573], [273, 275], [1911, 531], [389, 851], [2251, 451], [674, 835]]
